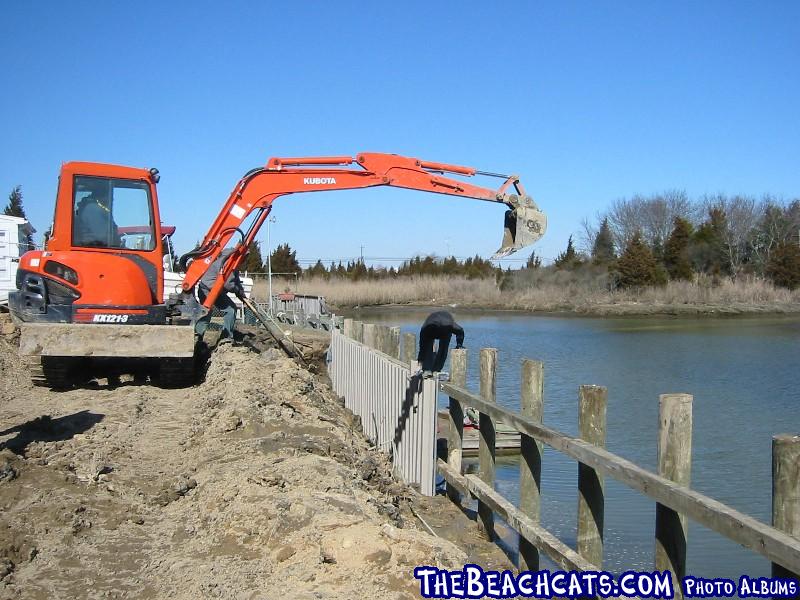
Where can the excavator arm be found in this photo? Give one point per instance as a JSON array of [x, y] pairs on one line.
[[258, 189]]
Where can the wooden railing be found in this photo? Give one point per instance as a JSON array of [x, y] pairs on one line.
[[676, 502]]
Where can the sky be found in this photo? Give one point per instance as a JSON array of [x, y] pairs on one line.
[[587, 102]]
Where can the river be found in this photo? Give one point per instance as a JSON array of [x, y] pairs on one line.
[[741, 371]]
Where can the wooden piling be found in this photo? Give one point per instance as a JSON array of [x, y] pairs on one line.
[[455, 431], [592, 402], [409, 348], [358, 331], [393, 342], [530, 464], [370, 335], [674, 463], [786, 491], [347, 328], [381, 334], [486, 446]]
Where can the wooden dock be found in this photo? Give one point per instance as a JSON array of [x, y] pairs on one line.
[[507, 441]]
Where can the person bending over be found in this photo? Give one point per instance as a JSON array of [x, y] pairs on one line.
[[439, 326]]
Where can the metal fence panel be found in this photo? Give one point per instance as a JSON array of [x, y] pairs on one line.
[[398, 411]]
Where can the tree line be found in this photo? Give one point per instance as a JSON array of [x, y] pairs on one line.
[[648, 240], [284, 260]]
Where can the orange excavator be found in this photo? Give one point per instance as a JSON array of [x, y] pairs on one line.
[[92, 301]]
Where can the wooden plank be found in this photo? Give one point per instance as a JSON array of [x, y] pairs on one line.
[[486, 449], [530, 464], [561, 554], [674, 463], [786, 492], [347, 328], [776, 545], [592, 402], [455, 431]]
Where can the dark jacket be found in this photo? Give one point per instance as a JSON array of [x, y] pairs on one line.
[[440, 324]]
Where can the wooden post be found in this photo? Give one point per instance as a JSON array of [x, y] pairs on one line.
[[393, 342], [347, 328], [786, 491], [409, 348], [381, 333], [358, 331], [486, 446], [370, 335], [530, 464], [674, 463], [455, 431], [592, 402]]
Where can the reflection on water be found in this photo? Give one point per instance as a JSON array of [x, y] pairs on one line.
[[741, 372]]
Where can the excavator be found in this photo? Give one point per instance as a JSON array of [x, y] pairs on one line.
[[92, 301]]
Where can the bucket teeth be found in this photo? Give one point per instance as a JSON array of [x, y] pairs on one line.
[[523, 226]]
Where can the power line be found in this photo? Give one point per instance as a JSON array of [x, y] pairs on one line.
[[345, 259]]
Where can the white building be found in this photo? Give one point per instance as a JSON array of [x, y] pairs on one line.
[[12, 244]]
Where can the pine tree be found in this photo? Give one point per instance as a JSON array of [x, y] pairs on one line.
[[637, 266], [603, 248], [284, 260], [359, 270], [253, 263], [708, 244], [783, 267], [318, 270], [533, 262], [14, 208], [567, 259], [676, 250]]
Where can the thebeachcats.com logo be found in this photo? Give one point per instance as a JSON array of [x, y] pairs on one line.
[[473, 582]]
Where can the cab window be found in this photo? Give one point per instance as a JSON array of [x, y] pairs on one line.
[[112, 213]]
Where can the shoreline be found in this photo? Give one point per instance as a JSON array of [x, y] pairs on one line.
[[717, 311]]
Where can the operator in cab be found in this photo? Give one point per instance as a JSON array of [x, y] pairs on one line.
[[94, 222], [223, 303], [439, 326]]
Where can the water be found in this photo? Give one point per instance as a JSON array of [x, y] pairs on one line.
[[742, 373]]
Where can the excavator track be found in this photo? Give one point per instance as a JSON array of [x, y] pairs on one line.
[[51, 371], [176, 372]]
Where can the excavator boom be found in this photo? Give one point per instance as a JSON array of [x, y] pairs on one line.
[[523, 225]]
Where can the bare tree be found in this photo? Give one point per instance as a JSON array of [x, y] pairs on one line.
[[588, 234], [625, 219], [741, 215], [776, 224], [652, 216]]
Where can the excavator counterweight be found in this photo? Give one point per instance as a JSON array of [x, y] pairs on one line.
[[99, 281]]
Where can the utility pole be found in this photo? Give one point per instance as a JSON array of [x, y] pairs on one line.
[[269, 262], [362, 253]]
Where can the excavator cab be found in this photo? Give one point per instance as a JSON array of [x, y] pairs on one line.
[[94, 295], [104, 253]]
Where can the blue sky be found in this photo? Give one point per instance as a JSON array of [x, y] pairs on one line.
[[587, 101]]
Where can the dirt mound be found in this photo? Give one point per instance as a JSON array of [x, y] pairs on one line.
[[12, 371], [252, 484]]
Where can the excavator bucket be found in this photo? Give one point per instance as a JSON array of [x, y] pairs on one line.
[[524, 225]]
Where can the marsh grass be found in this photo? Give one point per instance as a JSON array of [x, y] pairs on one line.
[[585, 292]]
